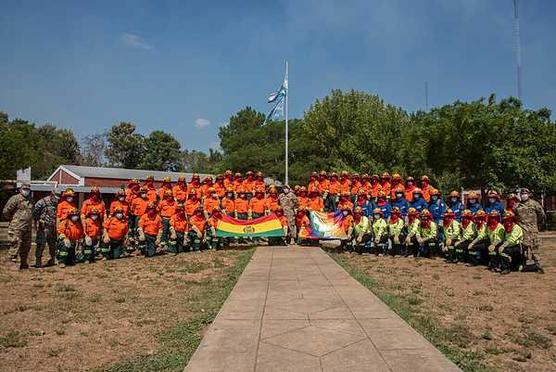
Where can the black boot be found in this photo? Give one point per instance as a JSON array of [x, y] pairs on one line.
[[38, 263]]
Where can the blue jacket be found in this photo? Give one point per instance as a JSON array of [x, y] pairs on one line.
[[367, 207], [457, 208], [386, 210], [402, 204], [497, 206], [437, 209], [419, 204], [474, 208]]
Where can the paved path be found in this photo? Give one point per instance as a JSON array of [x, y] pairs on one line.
[[295, 309]]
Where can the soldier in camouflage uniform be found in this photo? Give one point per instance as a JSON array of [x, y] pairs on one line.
[[19, 211], [530, 215], [289, 203], [44, 215]]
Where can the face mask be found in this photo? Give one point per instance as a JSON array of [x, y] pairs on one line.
[[286, 191], [345, 213], [143, 196], [121, 198], [119, 216], [398, 196], [75, 218], [70, 199], [377, 216], [472, 201], [213, 196], [524, 197], [416, 196], [410, 184], [455, 200], [25, 192], [230, 196], [434, 198], [94, 217], [491, 200], [151, 212]]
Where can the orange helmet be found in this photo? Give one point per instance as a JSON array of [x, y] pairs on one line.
[[467, 214], [425, 178], [118, 210], [473, 195], [412, 211], [378, 211], [449, 213], [167, 179], [95, 211], [95, 190], [168, 193], [435, 192], [481, 214], [68, 192], [396, 176], [381, 194], [426, 213], [358, 210], [509, 216], [181, 179], [386, 176]]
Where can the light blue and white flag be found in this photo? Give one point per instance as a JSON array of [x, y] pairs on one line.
[[278, 98]]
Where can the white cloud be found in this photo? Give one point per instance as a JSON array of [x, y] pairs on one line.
[[201, 123], [135, 41]]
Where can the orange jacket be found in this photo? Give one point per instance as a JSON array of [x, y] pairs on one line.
[[89, 204], [167, 208], [92, 228], [228, 181], [228, 205], [345, 186], [152, 195], [238, 186], [347, 203], [213, 221], [427, 193], [386, 186], [220, 189], [210, 204], [63, 209], [409, 193], [191, 188], [272, 204], [150, 225], [313, 186], [303, 202], [130, 195], [316, 204], [115, 228], [248, 186], [199, 222], [139, 206], [375, 189], [242, 205], [72, 230], [259, 186], [179, 222], [257, 205], [324, 185], [118, 204], [347, 222], [334, 187], [394, 188], [180, 192], [355, 186], [162, 191], [191, 205]]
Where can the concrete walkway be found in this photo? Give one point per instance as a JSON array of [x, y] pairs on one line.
[[295, 309]]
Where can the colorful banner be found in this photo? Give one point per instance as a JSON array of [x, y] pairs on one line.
[[267, 226], [324, 226]]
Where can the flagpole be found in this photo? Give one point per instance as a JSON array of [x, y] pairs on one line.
[[287, 94]]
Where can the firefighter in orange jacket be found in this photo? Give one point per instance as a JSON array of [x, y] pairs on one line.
[[219, 186], [167, 208], [313, 185], [150, 230], [213, 242], [272, 202], [211, 201], [345, 183], [238, 183], [132, 190], [228, 179], [207, 184], [137, 209], [324, 183], [192, 203], [259, 185], [178, 231], [164, 188], [409, 188], [249, 184], [70, 236], [376, 186], [197, 227], [315, 202], [426, 188], [120, 202], [152, 195], [194, 186], [66, 204], [302, 198], [386, 183], [303, 225], [93, 201], [228, 203], [355, 185], [115, 235], [180, 190], [257, 206], [242, 206], [92, 229], [397, 186]]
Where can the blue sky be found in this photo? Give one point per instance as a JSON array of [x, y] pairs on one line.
[[186, 66]]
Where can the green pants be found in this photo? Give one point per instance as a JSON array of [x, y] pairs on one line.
[[455, 254], [165, 230], [195, 241], [214, 242], [176, 246], [150, 245], [132, 224], [113, 249], [90, 251], [66, 255]]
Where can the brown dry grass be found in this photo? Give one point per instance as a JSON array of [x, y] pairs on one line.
[[88, 316], [503, 323]]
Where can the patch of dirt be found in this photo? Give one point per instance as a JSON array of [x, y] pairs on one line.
[[509, 321], [87, 316]]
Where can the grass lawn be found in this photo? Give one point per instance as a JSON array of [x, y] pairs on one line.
[[133, 314]]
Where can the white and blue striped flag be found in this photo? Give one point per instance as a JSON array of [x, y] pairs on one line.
[[278, 98]]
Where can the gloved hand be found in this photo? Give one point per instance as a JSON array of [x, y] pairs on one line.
[[377, 240], [503, 246], [88, 241], [61, 237], [458, 243], [396, 239], [157, 241], [448, 242], [470, 246], [358, 240], [105, 238], [141, 235], [420, 240], [173, 234], [491, 248], [67, 243], [407, 241]]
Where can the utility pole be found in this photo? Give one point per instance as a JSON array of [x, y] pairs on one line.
[[517, 41]]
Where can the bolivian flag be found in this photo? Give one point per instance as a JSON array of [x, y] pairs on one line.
[[267, 226]]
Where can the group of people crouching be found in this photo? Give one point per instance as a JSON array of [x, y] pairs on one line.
[[489, 239]]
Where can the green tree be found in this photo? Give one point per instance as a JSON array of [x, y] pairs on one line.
[[19, 146], [58, 146], [125, 146], [162, 152]]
